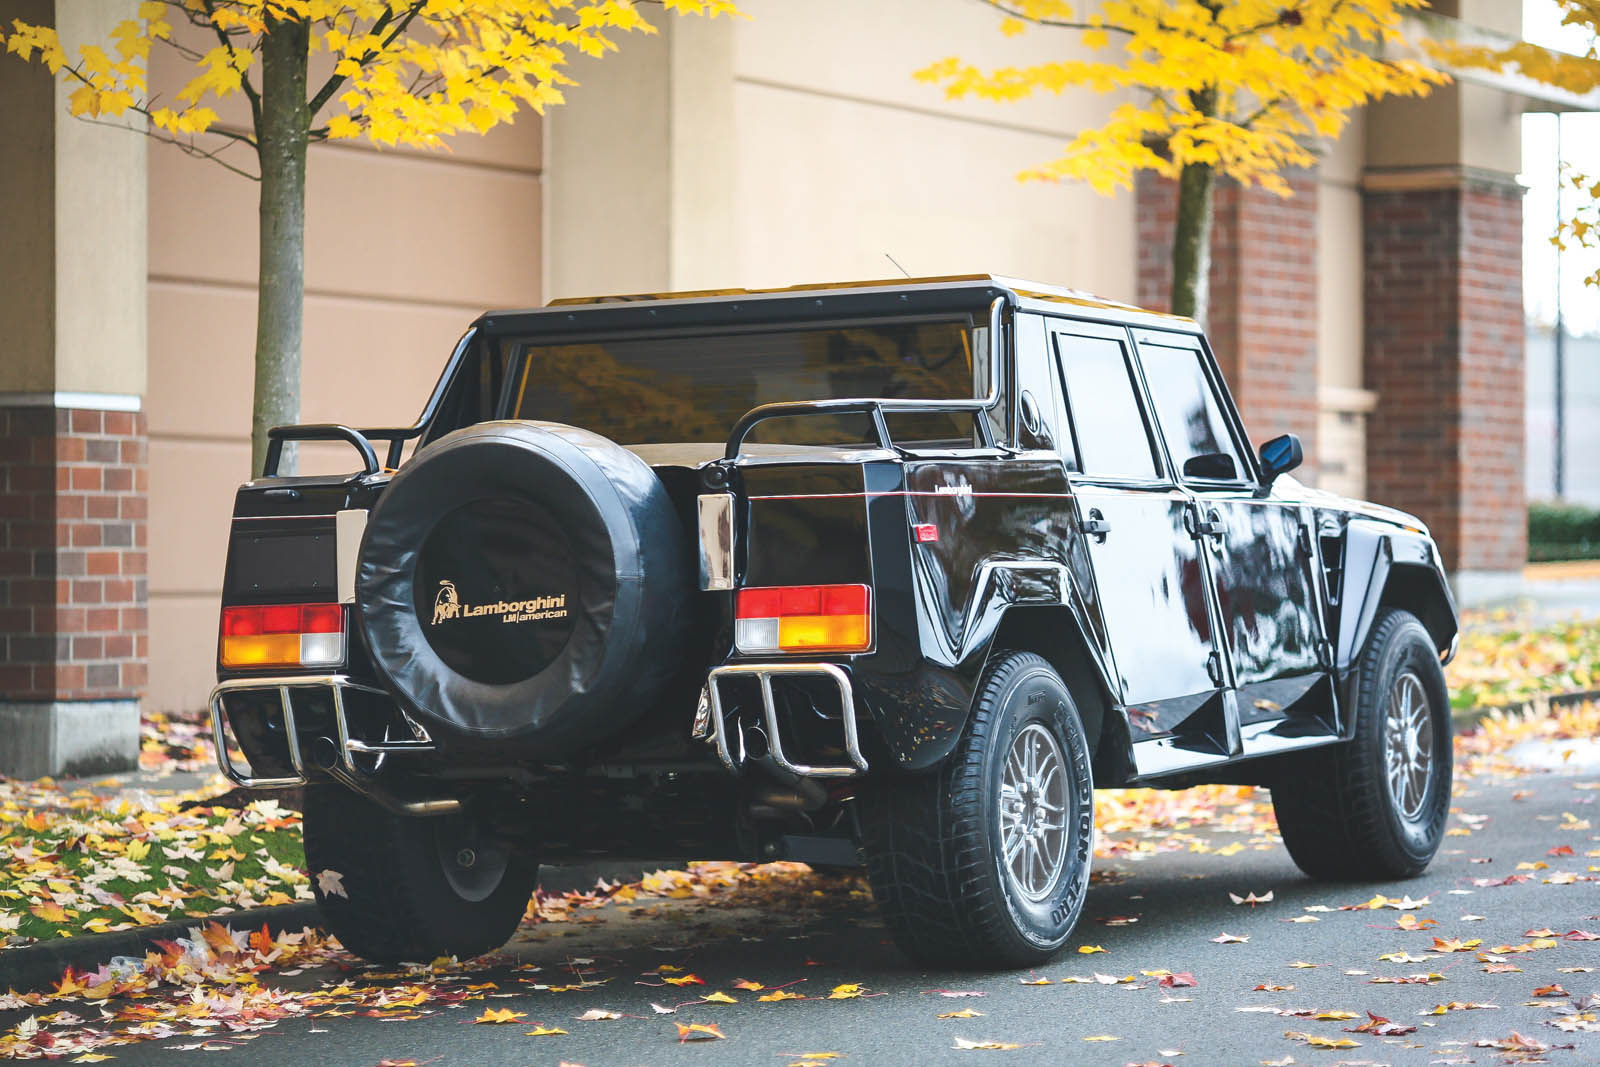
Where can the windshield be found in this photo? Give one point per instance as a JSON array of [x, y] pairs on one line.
[[692, 387]]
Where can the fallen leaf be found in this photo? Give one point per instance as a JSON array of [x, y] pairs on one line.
[[1087, 950], [1230, 939], [964, 1044], [719, 998], [964, 1013], [699, 1032], [500, 1015], [545, 1031], [595, 1015], [688, 979], [777, 995], [1173, 981], [331, 884], [1378, 1025], [1251, 899]]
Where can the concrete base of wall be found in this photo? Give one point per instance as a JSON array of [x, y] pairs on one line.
[[1480, 589], [68, 738]]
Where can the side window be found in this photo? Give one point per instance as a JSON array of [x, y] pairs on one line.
[[1190, 414], [1036, 416], [1107, 424]]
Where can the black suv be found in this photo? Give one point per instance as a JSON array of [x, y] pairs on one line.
[[890, 574]]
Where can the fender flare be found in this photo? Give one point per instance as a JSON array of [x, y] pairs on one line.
[[1385, 565]]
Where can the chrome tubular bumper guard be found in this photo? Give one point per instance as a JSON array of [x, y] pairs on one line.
[[711, 723], [349, 747]]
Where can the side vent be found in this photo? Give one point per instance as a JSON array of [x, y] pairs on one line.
[[1332, 565]]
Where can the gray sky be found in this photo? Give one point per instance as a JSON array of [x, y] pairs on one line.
[[1580, 149]]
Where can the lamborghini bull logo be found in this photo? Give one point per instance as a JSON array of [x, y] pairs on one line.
[[447, 605]]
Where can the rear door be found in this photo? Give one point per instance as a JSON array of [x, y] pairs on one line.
[[1259, 547], [1149, 578]]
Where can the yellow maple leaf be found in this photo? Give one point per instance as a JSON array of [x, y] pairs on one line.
[[777, 995], [719, 998], [545, 1031], [500, 1015]]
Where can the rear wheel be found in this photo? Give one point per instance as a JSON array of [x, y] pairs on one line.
[[412, 889], [1375, 807], [985, 862]]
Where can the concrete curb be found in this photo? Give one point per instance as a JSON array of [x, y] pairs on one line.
[[38, 967], [1468, 717]]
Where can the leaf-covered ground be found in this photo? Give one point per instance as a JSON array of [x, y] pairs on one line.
[[94, 858], [1503, 660], [579, 954]]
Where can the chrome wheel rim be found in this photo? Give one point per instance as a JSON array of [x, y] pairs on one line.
[[1408, 745], [1034, 809]]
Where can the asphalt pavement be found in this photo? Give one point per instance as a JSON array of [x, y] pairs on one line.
[[1180, 900]]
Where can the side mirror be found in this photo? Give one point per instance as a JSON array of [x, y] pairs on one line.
[[1280, 456]]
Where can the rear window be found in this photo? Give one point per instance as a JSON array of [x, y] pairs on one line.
[[692, 387]]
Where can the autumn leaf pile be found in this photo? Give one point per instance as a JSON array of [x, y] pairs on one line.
[[1503, 661], [73, 861]]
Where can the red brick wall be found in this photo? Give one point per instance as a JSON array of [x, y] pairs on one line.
[[1444, 352], [73, 551], [1263, 312]]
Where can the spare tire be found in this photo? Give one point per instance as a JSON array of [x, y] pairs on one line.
[[524, 584]]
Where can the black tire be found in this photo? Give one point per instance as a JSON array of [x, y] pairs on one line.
[[934, 847], [400, 903], [1338, 813]]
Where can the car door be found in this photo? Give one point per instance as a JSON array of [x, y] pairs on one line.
[[1258, 546], [1149, 578]]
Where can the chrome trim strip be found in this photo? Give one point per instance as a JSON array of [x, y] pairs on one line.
[[716, 541], [348, 526], [763, 673]]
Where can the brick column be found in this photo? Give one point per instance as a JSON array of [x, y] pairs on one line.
[[1263, 315], [73, 635], [1444, 353]]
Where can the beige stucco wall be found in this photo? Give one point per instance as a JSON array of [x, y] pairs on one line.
[[72, 282], [794, 146], [403, 250]]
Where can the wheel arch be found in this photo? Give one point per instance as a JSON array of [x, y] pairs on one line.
[[1053, 633]]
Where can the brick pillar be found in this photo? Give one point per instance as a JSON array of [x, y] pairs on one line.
[[73, 634], [1444, 353], [1263, 315]]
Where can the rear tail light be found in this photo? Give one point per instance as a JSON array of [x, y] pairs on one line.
[[283, 635], [804, 618]]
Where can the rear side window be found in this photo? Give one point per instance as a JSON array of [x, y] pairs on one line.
[[1190, 414], [1107, 424]]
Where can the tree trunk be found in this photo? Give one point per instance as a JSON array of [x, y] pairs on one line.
[[1191, 242], [281, 135]]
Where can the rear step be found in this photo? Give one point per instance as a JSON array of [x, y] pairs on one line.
[[711, 721]]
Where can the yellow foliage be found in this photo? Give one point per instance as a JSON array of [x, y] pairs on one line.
[[1243, 86], [408, 72]]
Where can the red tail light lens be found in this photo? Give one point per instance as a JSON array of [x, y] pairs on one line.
[[283, 635], [804, 618]]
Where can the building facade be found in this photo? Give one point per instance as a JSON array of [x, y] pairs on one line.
[[1377, 312]]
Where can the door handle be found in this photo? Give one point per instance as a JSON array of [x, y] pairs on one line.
[[1095, 525], [1210, 526]]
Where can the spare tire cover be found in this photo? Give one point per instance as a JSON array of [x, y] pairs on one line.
[[525, 583]]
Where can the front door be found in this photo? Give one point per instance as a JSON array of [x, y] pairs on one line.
[[1150, 583], [1258, 546]]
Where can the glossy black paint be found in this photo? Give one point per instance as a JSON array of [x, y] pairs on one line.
[[1218, 619]]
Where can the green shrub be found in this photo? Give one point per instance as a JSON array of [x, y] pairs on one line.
[[1563, 531]]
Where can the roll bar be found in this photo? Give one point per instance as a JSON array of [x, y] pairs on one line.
[[362, 439], [876, 407]]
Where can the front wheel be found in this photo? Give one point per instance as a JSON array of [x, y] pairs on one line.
[[985, 862], [1375, 807], [411, 888]]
